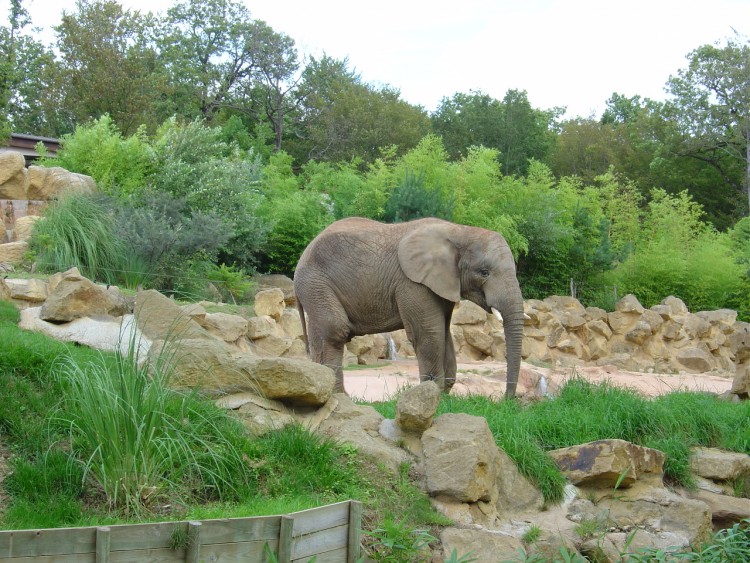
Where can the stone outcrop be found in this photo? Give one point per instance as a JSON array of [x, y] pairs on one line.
[[24, 193]]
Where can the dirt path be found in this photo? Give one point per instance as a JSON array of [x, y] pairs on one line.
[[488, 378]]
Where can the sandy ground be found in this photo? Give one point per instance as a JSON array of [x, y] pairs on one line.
[[488, 378]]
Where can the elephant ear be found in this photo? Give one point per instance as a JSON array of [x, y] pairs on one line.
[[427, 256]]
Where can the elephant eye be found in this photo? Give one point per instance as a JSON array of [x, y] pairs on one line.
[[484, 272]]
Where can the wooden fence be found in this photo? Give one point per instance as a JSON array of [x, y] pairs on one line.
[[329, 534]]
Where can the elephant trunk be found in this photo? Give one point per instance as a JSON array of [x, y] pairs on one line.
[[513, 317]]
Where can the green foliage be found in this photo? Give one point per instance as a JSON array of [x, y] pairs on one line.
[[78, 232], [118, 164], [296, 219], [234, 285], [395, 542], [412, 199], [678, 254]]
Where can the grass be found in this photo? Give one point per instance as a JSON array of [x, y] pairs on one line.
[[95, 440], [584, 412]]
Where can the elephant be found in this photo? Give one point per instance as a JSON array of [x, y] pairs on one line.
[[360, 276]]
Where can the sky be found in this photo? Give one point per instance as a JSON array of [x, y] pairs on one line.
[[563, 53]]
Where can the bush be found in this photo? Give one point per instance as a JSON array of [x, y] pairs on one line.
[[118, 165], [412, 199]]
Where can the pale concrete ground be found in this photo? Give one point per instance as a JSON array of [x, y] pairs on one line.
[[488, 378]]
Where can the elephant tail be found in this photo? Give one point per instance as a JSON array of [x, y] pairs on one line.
[[304, 325]]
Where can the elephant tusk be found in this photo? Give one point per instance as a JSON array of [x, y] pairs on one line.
[[497, 314], [526, 317]]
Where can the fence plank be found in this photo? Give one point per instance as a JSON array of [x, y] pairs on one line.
[[336, 556], [103, 538], [285, 539], [316, 519], [355, 527], [318, 542], [194, 542]]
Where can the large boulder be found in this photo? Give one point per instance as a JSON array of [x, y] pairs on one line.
[[282, 282], [719, 465], [75, 297], [460, 458], [608, 463], [416, 407], [14, 177], [55, 182], [13, 253], [270, 302]]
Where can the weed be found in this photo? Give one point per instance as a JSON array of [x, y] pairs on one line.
[[531, 535]]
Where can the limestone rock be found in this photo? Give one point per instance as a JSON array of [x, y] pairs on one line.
[[565, 303], [55, 182], [14, 177], [607, 462], [24, 226], [369, 348], [160, 318], [282, 282], [359, 425], [75, 297], [741, 382], [460, 458], [716, 464], [13, 253], [31, 290], [515, 494], [270, 302], [416, 407], [676, 305], [725, 510], [229, 328], [629, 304], [695, 359], [4, 291], [101, 333], [261, 327], [685, 521], [290, 323], [468, 313], [482, 545], [478, 339]]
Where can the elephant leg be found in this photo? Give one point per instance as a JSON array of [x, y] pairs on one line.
[[426, 323], [450, 360], [328, 332]]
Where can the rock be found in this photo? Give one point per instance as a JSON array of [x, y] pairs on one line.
[[75, 297], [294, 382], [725, 510], [515, 494], [639, 333], [14, 177], [359, 425], [481, 545], [4, 291], [468, 313], [629, 304], [160, 318], [31, 290], [279, 281], [229, 328], [261, 327], [718, 465], [416, 407], [261, 416], [695, 359], [24, 226], [55, 182], [676, 305], [565, 303], [270, 302], [741, 381], [291, 324], [478, 339], [102, 333], [606, 463], [13, 253], [663, 512], [460, 458], [369, 348]]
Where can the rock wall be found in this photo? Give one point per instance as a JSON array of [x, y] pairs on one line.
[[24, 192]]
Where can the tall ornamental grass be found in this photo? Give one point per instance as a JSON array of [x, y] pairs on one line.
[[141, 442]]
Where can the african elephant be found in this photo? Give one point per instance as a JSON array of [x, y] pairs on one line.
[[359, 277]]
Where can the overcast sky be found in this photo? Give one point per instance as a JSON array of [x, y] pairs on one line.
[[572, 53]]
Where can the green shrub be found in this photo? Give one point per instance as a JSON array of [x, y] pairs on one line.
[[412, 199], [118, 165]]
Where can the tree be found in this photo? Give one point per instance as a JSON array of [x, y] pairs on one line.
[[344, 118], [107, 64], [518, 131], [218, 57], [711, 108]]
